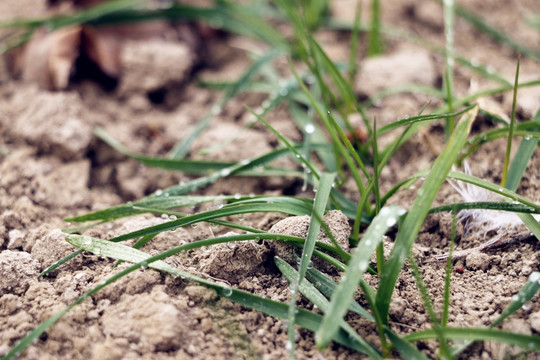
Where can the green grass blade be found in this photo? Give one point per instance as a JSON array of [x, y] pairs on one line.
[[428, 305], [414, 119], [182, 147], [375, 45], [511, 128], [345, 90], [59, 263], [448, 271], [449, 11], [327, 286], [312, 294], [319, 205], [302, 120], [410, 227], [531, 223], [522, 157], [358, 264], [229, 210], [150, 202], [529, 342], [494, 188], [486, 205], [405, 348]]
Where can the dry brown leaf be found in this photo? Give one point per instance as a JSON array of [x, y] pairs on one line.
[[48, 59]]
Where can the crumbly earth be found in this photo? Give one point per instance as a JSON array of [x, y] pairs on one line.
[[52, 166]]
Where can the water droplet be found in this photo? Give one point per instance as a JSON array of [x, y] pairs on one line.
[[283, 91], [297, 156], [144, 265], [97, 251], [164, 216], [172, 217], [309, 128], [362, 266], [237, 196], [535, 276], [401, 212], [194, 225], [215, 110], [292, 287], [527, 138], [368, 242], [391, 221], [288, 346], [225, 172], [245, 162], [515, 298], [158, 192], [384, 211], [406, 116], [226, 291], [206, 248], [526, 307]]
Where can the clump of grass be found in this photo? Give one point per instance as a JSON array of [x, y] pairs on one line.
[[329, 95]]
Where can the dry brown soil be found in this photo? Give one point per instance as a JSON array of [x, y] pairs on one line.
[[52, 166]]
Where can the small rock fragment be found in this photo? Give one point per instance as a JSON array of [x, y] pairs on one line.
[[299, 225], [17, 270]]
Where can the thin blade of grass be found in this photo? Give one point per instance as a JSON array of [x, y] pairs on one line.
[[299, 116], [312, 294], [319, 205], [358, 264], [345, 90], [182, 147], [448, 271], [494, 188], [531, 223], [529, 342], [414, 119], [511, 128], [327, 286], [500, 206], [150, 202], [522, 157], [405, 348], [428, 305], [375, 45], [449, 11], [230, 210], [410, 227]]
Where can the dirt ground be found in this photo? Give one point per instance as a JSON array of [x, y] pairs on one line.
[[52, 166]]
